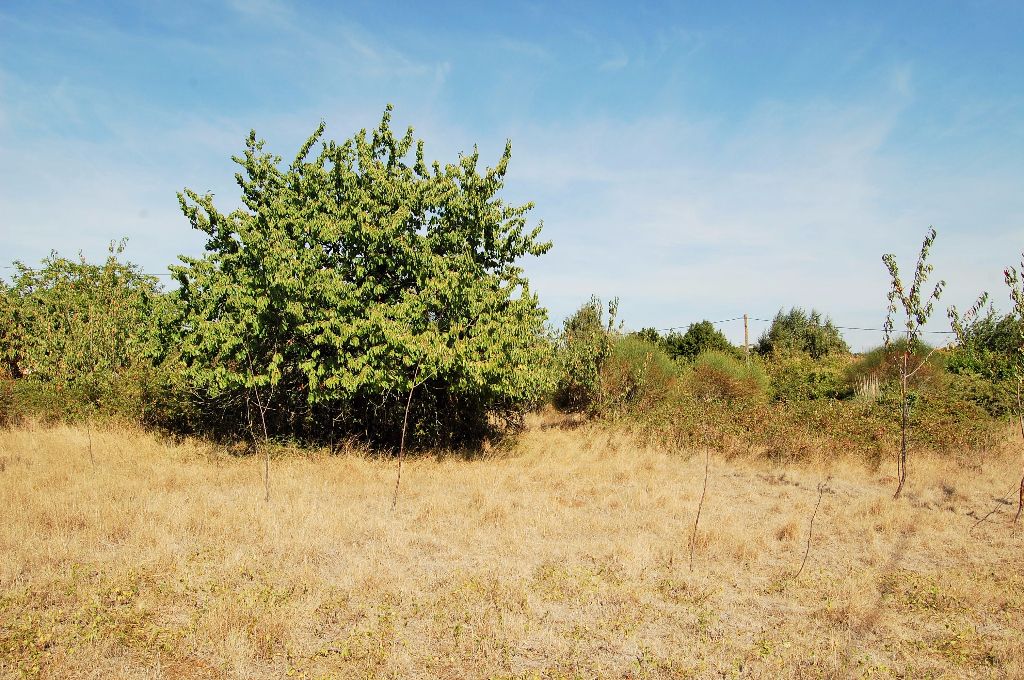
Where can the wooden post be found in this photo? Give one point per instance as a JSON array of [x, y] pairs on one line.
[[746, 338]]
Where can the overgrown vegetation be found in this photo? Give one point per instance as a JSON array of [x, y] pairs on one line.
[[79, 340], [362, 293], [791, 402], [1015, 282], [801, 394], [583, 347], [700, 337], [350, 275], [361, 298]]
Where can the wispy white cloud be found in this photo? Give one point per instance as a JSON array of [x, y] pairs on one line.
[[616, 63], [901, 80], [795, 207], [522, 48], [4, 99], [262, 10], [706, 202]]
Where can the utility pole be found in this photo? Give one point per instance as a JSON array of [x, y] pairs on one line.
[[746, 338]]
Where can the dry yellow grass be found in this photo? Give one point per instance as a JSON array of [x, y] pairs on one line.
[[565, 556]]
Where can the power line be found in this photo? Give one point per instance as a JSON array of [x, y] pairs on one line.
[[845, 328], [735, 318]]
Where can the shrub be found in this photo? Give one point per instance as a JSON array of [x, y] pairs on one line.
[[997, 397], [636, 375], [7, 405], [582, 349], [796, 377], [651, 335], [991, 332], [720, 376], [81, 339], [882, 364], [985, 359]]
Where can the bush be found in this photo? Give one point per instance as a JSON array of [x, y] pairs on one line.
[[986, 360], [881, 365], [7, 404], [650, 335], [797, 377], [81, 339], [582, 348], [720, 376], [998, 334], [636, 375], [997, 397]]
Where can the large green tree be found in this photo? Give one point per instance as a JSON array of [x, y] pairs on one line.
[[352, 277], [798, 331], [699, 337]]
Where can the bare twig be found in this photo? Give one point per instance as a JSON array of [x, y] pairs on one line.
[[700, 505], [1004, 500], [901, 461], [266, 446], [905, 375], [1020, 501], [401, 446], [926, 359], [1020, 417], [88, 429], [810, 531], [266, 433]]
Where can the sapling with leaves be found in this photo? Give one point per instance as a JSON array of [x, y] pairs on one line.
[[1015, 281], [963, 326], [583, 348], [909, 303]]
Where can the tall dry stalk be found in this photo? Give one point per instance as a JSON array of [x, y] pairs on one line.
[[700, 505], [88, 429], [263, 407], [1020, 419], [401, 447], [405, 426], [259, 444], [810, 531], [1015, 282], [999, 503]]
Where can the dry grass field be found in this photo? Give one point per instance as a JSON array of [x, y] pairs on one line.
[[564, 556]]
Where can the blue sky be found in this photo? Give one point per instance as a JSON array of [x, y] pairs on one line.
[[697, 160]]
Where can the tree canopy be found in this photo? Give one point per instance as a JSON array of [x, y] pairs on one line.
[[351, 277], [798, 331], [699, 337]]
